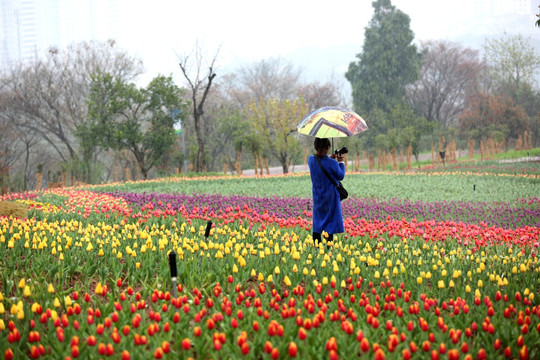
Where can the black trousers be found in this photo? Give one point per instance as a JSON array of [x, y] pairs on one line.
[[317, 238]]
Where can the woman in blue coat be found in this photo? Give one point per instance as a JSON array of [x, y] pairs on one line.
[[327, 214]]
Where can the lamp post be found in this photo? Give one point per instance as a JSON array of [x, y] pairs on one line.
[[176, 113]]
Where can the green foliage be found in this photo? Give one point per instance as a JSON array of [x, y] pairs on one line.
[[273, 122], [513, 60], [388, 62], [428, 185], [124, 117]]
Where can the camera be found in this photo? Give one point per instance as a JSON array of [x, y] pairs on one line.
[[341, 151]]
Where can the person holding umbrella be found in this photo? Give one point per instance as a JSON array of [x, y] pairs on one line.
[[327, 215], [328, 171]]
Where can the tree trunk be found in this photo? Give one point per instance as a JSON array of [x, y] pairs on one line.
[[285, 164], [261, 164], [239, 162], [371, 159], [395, 159], [409, 156], [38, 181]]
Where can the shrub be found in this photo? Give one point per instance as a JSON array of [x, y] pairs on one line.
[[8, 208]]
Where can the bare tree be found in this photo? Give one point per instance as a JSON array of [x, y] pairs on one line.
[[448, 73], [199, 85], [318, 94], [268, 79], [48, 95]]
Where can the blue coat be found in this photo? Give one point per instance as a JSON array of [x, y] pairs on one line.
[[327, 214]]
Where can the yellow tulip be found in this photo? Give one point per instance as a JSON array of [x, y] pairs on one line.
[[50, 289], [22, 284], [27, 292], [2, 325], [287, 281], [2, 310], [56, 302], [99, 289], [276, 270], [235, 269], [20, 314]]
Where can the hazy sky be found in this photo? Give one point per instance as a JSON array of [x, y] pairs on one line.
[[321, 37]]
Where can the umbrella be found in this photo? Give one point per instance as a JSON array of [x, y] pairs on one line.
[[331, 122]]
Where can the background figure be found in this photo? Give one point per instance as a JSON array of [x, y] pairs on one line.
[[327, 215]]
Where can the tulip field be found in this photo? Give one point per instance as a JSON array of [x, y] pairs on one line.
[[438, 263]]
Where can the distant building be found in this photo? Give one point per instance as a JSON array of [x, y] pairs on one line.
[[29, 27]]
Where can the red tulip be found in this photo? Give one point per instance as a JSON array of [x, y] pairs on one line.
[[293, 349], [125, 355], [364, 345], [158, 353], [406, 354], [186, 344]]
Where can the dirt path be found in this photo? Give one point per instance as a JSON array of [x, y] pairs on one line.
[[304, 168]]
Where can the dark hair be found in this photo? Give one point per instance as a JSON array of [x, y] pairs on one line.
[[321, 143]]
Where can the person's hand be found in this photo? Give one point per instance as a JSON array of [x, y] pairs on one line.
[[333, 156], [340, 158]]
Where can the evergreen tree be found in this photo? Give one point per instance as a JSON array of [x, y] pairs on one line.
[[388, 62]]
